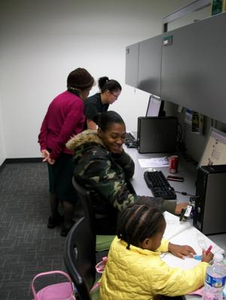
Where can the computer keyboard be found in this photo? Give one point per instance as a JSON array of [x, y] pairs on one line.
[[159, 185], [130, 140]]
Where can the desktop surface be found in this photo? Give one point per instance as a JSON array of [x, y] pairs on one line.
[[186, 170]]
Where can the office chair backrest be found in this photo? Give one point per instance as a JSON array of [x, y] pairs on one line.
[[85, 200], [80, 257], [103, 242]]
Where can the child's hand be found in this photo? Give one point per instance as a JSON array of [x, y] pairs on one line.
[[207, 257], [181, 251]]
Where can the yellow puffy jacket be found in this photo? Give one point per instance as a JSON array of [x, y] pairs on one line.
[[141, 274]]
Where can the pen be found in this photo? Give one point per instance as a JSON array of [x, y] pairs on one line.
[[209, 249]]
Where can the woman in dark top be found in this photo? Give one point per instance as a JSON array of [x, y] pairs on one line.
[[110, 90]]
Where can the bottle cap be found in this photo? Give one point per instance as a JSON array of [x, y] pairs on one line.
[[218, 257]]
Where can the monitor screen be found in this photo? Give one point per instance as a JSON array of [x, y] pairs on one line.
[[215, 149], [154, 106]]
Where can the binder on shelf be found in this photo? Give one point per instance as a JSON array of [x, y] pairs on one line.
[[218, 6]]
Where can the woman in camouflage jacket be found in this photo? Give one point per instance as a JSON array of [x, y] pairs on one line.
[[103, 167]]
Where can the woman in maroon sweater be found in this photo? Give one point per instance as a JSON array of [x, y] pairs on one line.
[[64, 119]]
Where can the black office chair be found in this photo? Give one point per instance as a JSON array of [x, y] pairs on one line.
[[80, 257], [103, 242], [80, 250], [85, 202]]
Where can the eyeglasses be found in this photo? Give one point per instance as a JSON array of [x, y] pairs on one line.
[[116, 96]]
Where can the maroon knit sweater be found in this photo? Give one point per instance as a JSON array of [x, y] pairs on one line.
[[64, 119]]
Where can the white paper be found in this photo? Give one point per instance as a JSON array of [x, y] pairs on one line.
[[155, 162], [183, 233], [174, 226]]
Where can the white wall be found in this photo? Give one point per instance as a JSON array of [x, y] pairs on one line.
[[42, 41]]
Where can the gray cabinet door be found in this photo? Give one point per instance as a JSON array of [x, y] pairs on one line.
[[194, 67], [132, 58], [150, 65]]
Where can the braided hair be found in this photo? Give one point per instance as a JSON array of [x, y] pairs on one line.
[[138, 222]]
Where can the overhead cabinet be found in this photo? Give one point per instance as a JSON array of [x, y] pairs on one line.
[[194, 67], [132, 57], [145, 57], [186, 66], [150, 65]]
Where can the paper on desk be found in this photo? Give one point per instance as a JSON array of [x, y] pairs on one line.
[[183, 233], [174, 226], [176, 262], [154, 162]]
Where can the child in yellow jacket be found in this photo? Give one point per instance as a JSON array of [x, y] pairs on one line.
[[135, 270]]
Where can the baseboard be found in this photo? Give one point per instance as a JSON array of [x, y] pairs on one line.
[[20, 160], [2, 165]]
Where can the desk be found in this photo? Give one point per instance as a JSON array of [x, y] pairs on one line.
[[186, 170], [184, 233]]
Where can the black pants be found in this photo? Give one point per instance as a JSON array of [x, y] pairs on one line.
[[106, 225]]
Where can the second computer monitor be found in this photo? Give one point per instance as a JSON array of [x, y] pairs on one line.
[[155, 106], [215, 149]]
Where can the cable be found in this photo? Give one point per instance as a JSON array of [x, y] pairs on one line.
[[180, 143], [186, 194]]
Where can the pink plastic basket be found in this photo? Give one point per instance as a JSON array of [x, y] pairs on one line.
[[57, 291]]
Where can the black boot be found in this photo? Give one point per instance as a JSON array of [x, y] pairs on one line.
[[55, 219]]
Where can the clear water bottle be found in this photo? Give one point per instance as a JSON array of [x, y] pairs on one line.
[[215, 279]]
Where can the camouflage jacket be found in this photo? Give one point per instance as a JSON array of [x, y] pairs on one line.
[[104, 173]]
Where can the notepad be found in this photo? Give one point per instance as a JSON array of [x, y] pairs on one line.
[[184, 233]]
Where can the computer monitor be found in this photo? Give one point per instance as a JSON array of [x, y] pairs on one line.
[[154, 106], [157, 134], [215, 149]]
